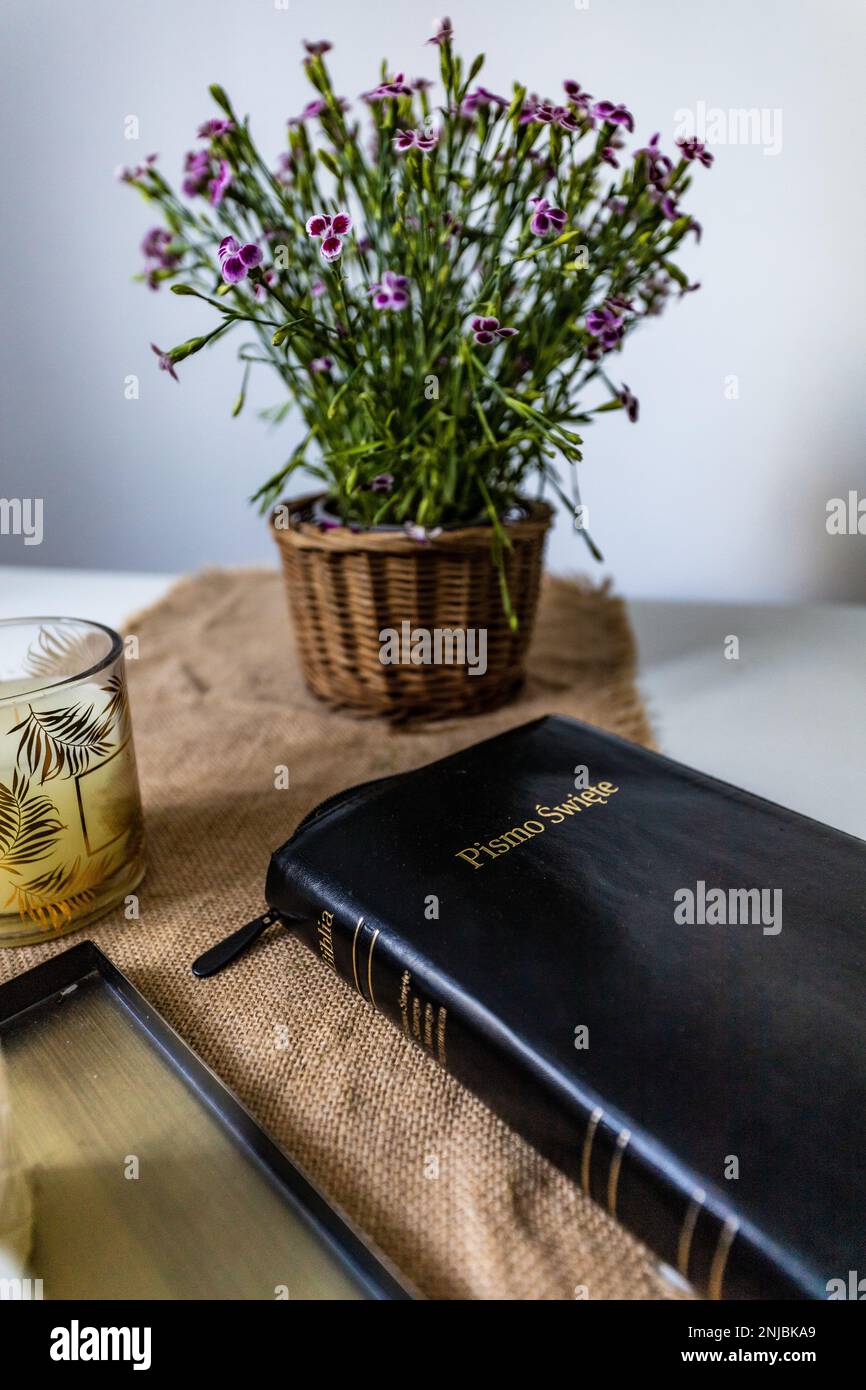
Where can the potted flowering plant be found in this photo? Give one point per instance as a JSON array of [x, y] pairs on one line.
[[445, 297]]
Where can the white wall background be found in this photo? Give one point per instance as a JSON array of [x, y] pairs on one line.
[[706, 497]]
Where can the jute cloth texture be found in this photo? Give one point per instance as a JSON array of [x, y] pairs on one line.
[[218, 706]]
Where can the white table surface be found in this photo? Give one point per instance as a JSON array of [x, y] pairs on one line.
[[786, 720]]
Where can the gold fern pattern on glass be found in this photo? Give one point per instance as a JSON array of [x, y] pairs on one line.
[[57, 652], [69, 813]]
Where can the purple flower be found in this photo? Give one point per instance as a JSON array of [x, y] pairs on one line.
[[444, 31], [330, 231], [285, 167], [236, 261], [395, 86], [155, 244], [315, 108], [546, 219], [318, 48], [665, 202], [383, 482], [486, 330], [317, 288], [261, 287], [126, 175], [695, 149], [631, 404], [473, 101], [658, 164], [157, 255], [528, 110], [575, 94], [608, 154], [547, 114], [614, 113], [606, 325], [565, 119], [420, 533], [197, 168], [165, 362], [217, 125], [413, 139], [219, 185], [321, 365], [392, 293]]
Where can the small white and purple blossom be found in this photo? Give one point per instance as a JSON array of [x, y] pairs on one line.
[[486, 330], [321, 366], [392, 292], [165, 362], [218, 185], [314, 108], [421, 534], [395, 86], [576, 94], [658, 164], [424, 140], [546, 113], [237, 261], [665, 201], [330, 231], [155, 244], [217, 125], [197, 171], [613, 113], [443, 31], [157, 256], [546, 219], [606, 325], [696, 149], [481, 97], [383, 482], [124, 174]]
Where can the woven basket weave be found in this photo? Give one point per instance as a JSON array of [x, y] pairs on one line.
[[345, 587]]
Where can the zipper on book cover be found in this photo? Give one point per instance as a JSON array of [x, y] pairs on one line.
[[219, 956]]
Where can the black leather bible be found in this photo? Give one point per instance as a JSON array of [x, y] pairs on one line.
[[655, 977]]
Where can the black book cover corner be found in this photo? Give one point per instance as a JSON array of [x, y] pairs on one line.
[[655, 977]]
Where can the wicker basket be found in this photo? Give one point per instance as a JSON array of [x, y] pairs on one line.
[[346, 587]]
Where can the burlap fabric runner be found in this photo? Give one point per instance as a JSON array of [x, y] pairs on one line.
[[218, 704]]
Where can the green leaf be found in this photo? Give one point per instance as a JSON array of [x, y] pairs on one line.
[[676, 274], [221, 99]]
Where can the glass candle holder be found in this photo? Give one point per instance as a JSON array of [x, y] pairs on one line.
[[71, 831]]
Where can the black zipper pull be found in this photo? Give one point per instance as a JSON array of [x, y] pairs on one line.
[[233, 946]]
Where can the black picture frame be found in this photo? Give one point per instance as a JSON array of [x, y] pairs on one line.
[[61, 973]]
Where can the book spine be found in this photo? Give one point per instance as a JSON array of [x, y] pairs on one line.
[[687, 1228]]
